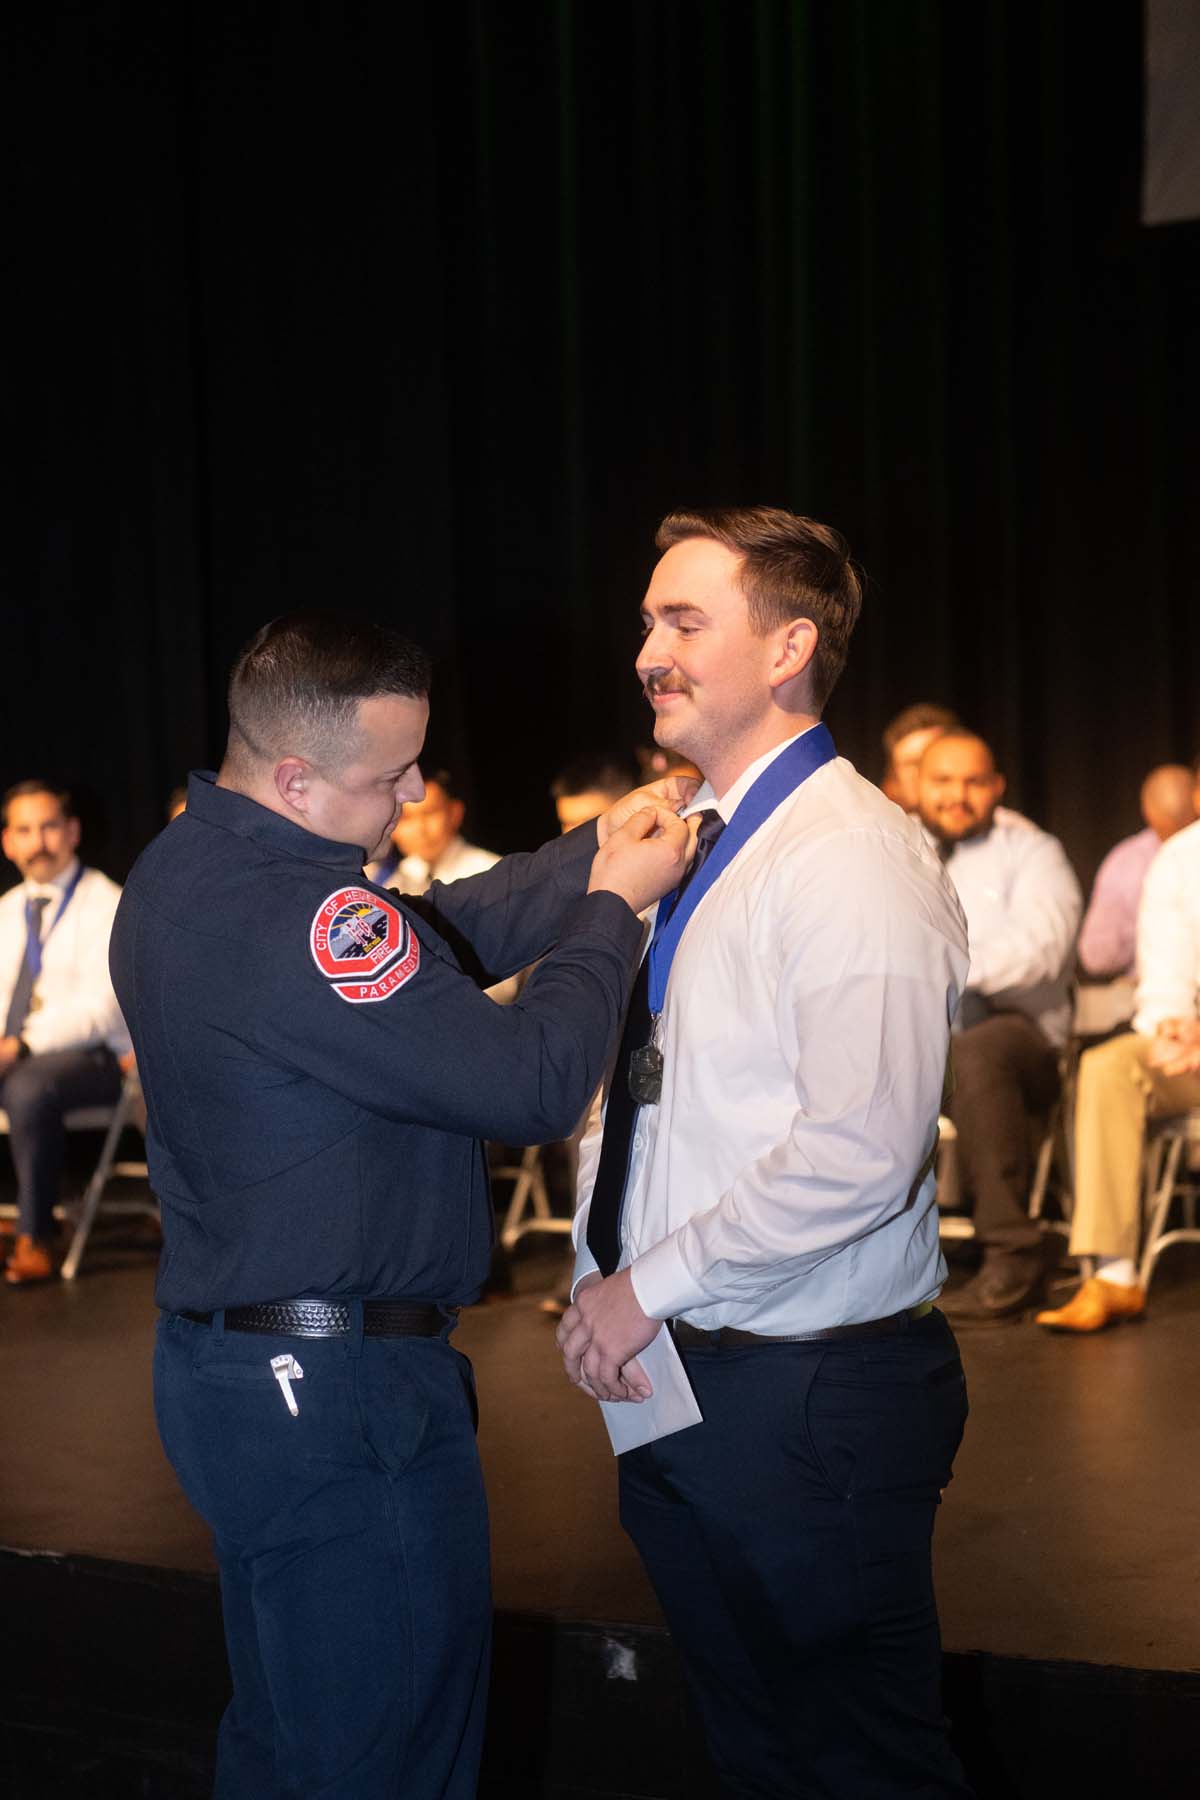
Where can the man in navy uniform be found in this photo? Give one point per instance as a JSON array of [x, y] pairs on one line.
[[320, 1063]]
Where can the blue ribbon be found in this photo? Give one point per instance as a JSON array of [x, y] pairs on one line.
[[802, 758], [35, 945]]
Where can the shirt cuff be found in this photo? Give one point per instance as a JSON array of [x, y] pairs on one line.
[[585, 1265], [663, 1285]]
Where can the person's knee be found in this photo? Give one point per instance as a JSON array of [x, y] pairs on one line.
[[1112, 1067], [29, 1096]]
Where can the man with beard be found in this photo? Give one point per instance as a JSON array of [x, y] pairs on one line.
[[763, 1182], [1023, 907], [63, 1032]]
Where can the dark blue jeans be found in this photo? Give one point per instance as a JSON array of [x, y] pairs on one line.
[[37, 1094], [788, 1538], [353, 1549]]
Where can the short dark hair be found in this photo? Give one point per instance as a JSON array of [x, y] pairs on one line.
[[449, 783], [600, 773], [792, 568], [35, 785], [922, 715], [295, 687]]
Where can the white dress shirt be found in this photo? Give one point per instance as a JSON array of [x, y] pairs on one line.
[[1168, 934], [1023, 906], [413, 874], [75, 1007], [804, 1036]]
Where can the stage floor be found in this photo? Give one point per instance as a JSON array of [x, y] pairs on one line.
[[1069, 1531], [1068, 1559]]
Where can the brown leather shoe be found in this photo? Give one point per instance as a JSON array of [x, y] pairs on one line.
[[1097, 1304], [30, 1261]]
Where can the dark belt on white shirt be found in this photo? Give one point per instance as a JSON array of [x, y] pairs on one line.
[[690, 1337]]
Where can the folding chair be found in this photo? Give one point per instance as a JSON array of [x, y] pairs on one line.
[[529, 1185], [112, 1120], [1171, 1173]]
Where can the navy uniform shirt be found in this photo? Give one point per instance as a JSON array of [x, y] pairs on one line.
[[320, 1063]]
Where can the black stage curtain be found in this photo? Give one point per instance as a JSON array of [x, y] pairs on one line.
[[434, 310]]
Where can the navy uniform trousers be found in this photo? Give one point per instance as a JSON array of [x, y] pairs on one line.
[[788, 1538], [352, 1542]]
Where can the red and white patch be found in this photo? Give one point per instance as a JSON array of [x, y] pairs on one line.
[[356, 939]]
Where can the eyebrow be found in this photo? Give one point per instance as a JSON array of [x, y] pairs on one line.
[[671, 608]]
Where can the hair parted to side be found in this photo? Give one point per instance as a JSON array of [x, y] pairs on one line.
[[922, 715], [35, 785], [792, 568], [295, 687]]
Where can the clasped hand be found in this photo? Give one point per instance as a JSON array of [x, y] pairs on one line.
[[600, 1335], [1175, 1049]]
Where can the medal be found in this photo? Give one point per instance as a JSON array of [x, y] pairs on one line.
[[646, 1071]]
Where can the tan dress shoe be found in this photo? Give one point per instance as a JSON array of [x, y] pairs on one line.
[[1097, 1304], [30, 1262]]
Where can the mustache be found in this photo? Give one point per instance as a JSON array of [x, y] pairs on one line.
[[664, 684]]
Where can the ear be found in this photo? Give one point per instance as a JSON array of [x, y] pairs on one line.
[[73, 833], [457, 812], [1000, 784], [796, 649], [292, 778]]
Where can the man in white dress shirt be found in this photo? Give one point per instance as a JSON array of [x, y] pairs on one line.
[[428, 844], [1023, 906], [763, 1182], [1151, 1072], [63, 1031]]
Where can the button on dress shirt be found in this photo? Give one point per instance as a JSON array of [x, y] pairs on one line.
[[1023, 905], [1108, 935], [76, 1008], [1169, 934], [804, 1039]]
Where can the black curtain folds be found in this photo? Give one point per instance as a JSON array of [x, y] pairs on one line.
[[434, 311]]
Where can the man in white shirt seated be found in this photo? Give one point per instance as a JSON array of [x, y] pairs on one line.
[[1151, 1072], [905, 742], [763, 1182], [428, 845], [63, 1031], [1023, 905]]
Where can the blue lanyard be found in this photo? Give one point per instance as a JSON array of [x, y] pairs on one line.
[[802, 758], [35, 944]]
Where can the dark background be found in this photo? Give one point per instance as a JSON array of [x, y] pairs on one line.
[[434, 311]]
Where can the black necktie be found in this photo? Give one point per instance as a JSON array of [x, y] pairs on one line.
[[22, 994], [608, 1194]]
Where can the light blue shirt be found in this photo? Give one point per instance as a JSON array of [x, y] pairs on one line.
[[1023, 906]]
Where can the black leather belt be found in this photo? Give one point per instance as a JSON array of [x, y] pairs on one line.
[[690, 1337], [333, 1318]]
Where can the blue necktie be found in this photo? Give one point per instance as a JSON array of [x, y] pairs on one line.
[[22, 994], [608, 1194]]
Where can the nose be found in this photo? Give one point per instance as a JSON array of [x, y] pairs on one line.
[[653, 657], [411, 787]]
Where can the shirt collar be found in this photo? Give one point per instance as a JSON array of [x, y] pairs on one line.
[[727, 805], [53, 890], [230, 811]]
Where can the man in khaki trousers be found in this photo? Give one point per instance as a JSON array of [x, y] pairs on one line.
[[1150, 1073]]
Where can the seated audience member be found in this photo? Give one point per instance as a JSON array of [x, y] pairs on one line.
[[1022, 904], [63, 1030], [1108, 935], [428, 845], [591, 784], [904, 744], [1151, 1072]]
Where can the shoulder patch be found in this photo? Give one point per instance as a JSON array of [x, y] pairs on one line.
[[363, 945]]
